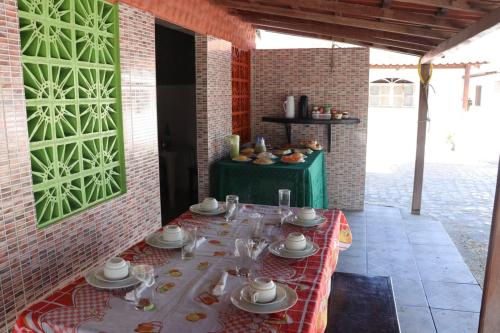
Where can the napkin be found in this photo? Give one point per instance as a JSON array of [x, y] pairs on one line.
[[258, 249], [240, 247], [199, 242], [130, 295], [219, 287], [247, 247]]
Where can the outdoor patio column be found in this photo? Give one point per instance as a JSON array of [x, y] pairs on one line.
[[423, 107], [489, 321]]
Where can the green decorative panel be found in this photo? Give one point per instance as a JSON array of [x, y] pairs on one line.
[[73, 103]]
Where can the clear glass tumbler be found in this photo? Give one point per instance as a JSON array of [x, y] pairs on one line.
[[256, 225], [232, 207], [284, 199], [188, 250], [284, 204], [144, 293]]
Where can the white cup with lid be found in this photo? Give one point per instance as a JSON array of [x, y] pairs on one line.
[[295, 241], [116, 268], [209, 204], [172, 233], [307, 213], [262, 290]]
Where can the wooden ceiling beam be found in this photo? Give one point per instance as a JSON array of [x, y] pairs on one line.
[[329, 29], [335, 33], [333, 19], [461, 5], [393, 15], [338, 39], [483, 26]]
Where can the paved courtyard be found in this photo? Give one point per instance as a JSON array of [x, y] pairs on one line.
[[458, 195]]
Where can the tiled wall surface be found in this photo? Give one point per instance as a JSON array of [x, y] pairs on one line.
[[35, 261], [213, 104], [338, 77]]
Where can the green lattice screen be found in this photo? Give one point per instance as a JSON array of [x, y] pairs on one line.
[[72, 88]]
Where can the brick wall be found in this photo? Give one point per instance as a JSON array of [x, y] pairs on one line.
[[278, 73], [35, 261], [213, 104]]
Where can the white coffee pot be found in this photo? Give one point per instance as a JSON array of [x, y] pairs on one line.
[[289, 107]]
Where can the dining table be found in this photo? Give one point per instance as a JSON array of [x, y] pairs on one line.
[[258, 184], [184, 299]]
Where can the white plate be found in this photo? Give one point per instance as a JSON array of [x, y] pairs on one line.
[[272, 162], [292, 162], [289, 300], [280, 295], [197, 210], [278, 249], [239, 161], [94, 281], [307, 223], [156, 240]]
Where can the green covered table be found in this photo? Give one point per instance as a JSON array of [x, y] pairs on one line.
[[259, 184]]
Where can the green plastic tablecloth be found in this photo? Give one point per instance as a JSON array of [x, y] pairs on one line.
[[259, 184]]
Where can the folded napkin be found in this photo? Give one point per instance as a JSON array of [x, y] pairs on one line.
[[130, 296], [219, 287], [247, 247], [240, 247], [257, 250], [199, 242]]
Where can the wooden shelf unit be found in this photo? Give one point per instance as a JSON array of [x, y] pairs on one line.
[[308, 121]]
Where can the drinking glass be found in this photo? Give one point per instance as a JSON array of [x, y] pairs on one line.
[[244, 250], [256, 226], [188, 250], [284, 204], [144, 293], [231, 207], [284, 199]]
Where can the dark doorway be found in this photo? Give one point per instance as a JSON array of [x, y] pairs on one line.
[[176, 110]]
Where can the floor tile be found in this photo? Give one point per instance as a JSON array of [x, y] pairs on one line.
[[448, 253], [448, 321], [409, 292], [355, 250], [377, 211], [403, 270], [395, 245], [414, 319], [386, 257], [351, 264], [439, 237], [453, 296], [386, 235], [445, 271]]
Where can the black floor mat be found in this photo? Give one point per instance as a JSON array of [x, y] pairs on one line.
[[361, 304]]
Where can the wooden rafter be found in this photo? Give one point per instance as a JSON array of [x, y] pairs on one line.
[[337, 39], [387, 14], [333, 19], [462, 5], [435, 66], [329, 30], [490, 21], [404, 47]]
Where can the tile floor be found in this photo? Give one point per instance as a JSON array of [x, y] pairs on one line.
[[434, 289]]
